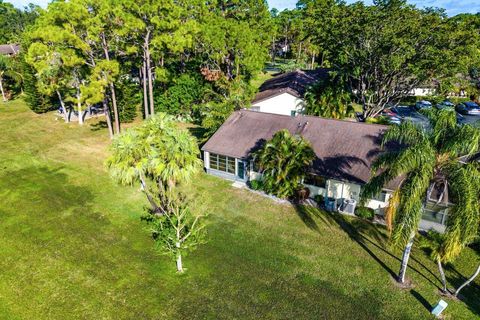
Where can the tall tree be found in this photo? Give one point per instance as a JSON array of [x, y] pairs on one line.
[[157, 29], [328, 99], [386, 50], [234, 38], [429, 160]]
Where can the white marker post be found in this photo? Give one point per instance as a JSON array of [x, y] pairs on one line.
[[438, 309]]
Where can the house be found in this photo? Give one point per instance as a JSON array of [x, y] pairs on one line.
[[345, 151], [9, 49], [284, 93]]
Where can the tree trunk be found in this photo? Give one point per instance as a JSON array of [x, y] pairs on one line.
[[144, 82], [1, 89], [313, 61], [149, 72], [442, 276], [179, 260], [65, 115], [405, 258], [115, 109], [299, 53], [273, 49], [106, 110], [116, 117], [466, 283], [79, 107]]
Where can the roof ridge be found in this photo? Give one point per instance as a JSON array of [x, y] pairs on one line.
[[315, 117]]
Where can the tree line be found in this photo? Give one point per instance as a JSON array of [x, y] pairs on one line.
[[195, 60], [377, 53], [192, 59]]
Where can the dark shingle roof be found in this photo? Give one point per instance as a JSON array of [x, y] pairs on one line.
[[9, 49], [345, 150], [296, 83]]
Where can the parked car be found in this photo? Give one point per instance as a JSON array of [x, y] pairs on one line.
[[445, 105], [391, 116], [468, 108], [423, 104]]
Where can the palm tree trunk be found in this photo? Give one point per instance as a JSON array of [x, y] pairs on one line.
[[466, 283], [405, 258], [1, 89], [442, 276]]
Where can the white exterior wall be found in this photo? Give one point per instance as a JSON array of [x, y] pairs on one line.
[[314, 190], [421, 92], [343, 190], [283, 104], [206, 160]]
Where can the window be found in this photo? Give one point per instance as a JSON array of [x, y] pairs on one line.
[[382, 197], [222, 163], [433, 216], [315, 180]]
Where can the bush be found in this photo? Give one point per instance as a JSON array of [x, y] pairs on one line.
[[365, 213], [256, 184], [319, 199], [183, 94]]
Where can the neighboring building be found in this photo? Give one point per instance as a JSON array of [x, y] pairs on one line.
[[345, 151], [423, 91], [9, 49], [284, 93]]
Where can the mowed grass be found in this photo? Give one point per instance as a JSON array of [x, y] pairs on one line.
[[72, 246]]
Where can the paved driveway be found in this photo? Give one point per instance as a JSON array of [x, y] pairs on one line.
[[409, 113]]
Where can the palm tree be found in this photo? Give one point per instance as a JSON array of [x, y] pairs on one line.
[[158, 155], [283, 161], [328, 100], [431, 159]]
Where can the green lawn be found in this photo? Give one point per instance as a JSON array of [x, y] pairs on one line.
[[72, 246]]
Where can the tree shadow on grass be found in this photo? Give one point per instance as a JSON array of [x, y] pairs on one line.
[[98, 126], [60, 212], [359, 231], [421, 299], [469, 295], [255, 277]]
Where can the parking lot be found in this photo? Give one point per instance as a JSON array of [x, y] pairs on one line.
[[409, 113]]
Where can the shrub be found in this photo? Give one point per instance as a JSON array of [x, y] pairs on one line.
[[256, 184], [365, 213], [319, 199]]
